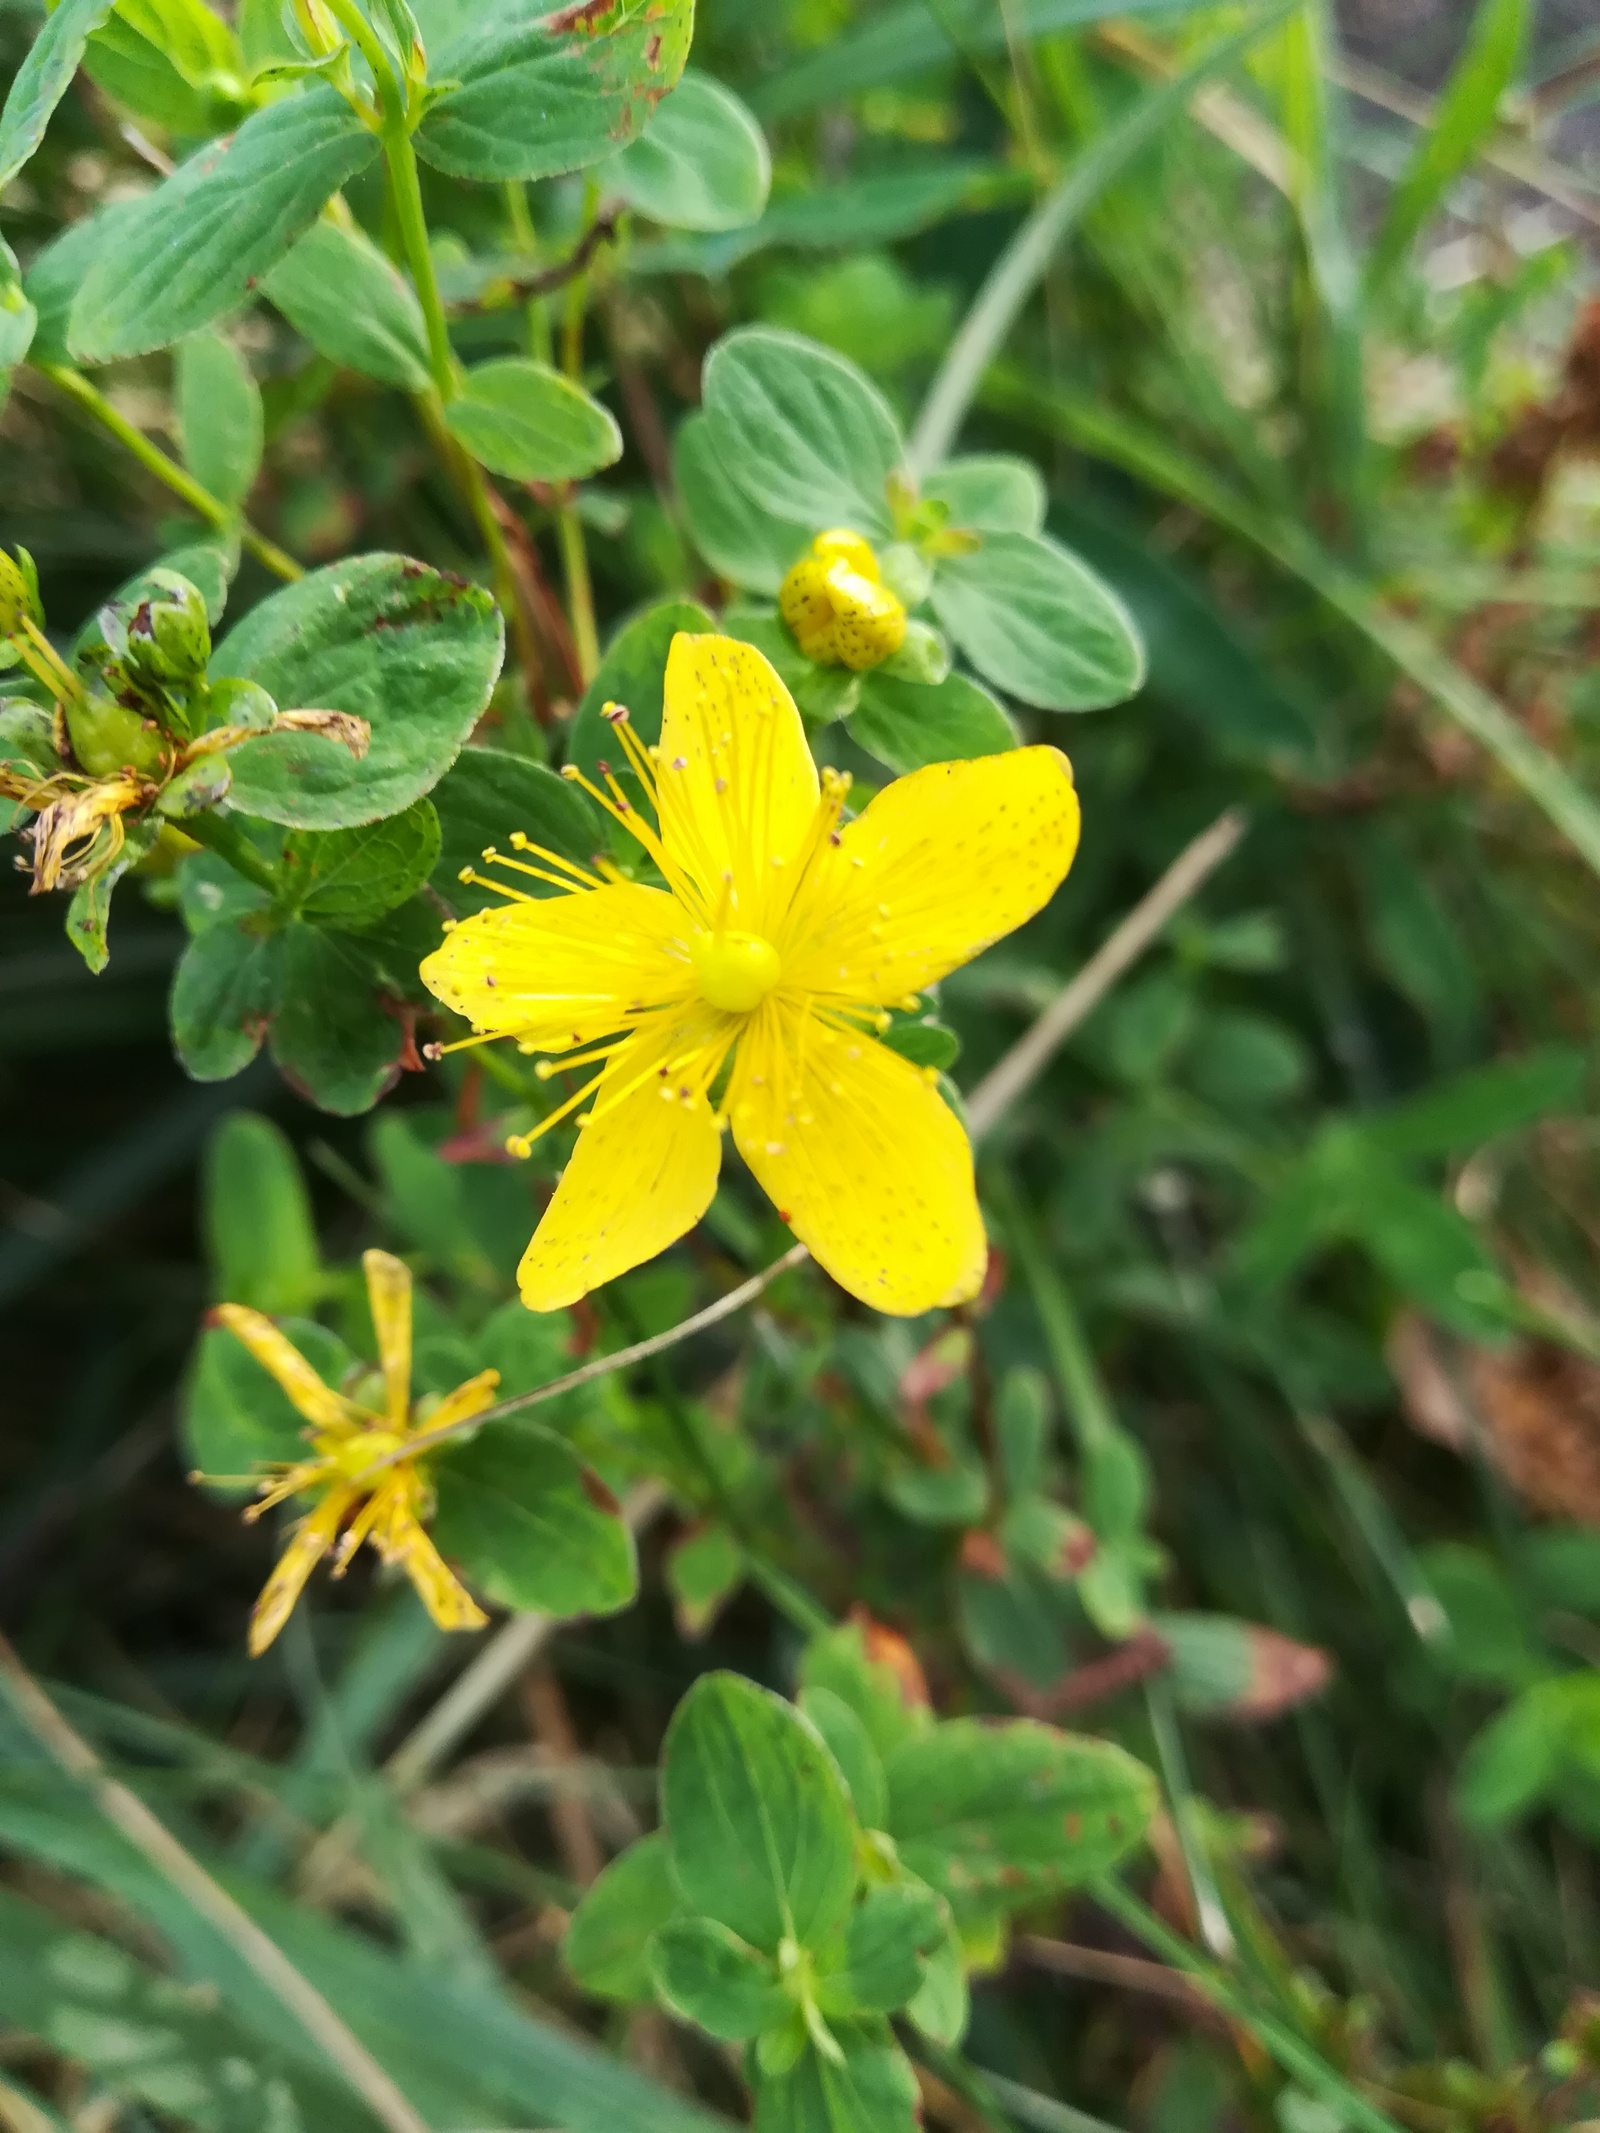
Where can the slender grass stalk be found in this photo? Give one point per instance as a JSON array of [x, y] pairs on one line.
[[1021, 266], [1298, 2059], [167, 471], [128, 1814]]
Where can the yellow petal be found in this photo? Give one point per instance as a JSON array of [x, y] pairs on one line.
[[466, 1401], [939, 866], [275, 1353], [863, 1159], [738, 789], [402, 1539], [389, 1293], [645, 1167], [310, 1542], [560, 970]]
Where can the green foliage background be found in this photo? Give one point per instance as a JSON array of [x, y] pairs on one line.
[[1246, 1537]]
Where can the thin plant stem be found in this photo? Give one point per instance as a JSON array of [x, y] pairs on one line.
[[1298, 2059], [569, 527], [1213, 1917], [127, 1813], [167, 471], [229, 842]]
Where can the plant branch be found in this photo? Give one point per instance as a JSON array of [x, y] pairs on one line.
[[1300, 2060], [127, 1813], [229, 842], [167, 471]]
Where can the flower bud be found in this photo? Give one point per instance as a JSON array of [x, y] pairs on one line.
[[923, 656], [108, 738], [168, 634], [27, 747], [19, 592], [232, 702], [837, 606]]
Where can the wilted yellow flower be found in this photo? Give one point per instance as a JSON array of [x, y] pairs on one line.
[[346, 1436], [836, 603], [781, 940]]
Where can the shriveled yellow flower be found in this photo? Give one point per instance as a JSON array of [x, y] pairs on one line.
[[782, 938], [346, 1436], [836, 603]]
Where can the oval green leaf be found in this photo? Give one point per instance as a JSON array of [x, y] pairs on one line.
[[525, 420], [908, 725], [608, 1942], [757, 1815], [736, 536], [411, 650], [701, 163], [1039, 624], [531, 1527], [353, 306], [991, 492]]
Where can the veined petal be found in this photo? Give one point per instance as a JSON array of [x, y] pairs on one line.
[[939, 866], [310, 1542], [645, 1167], [737, 788], [389, 1293], [863, 1159], [560, 970], [319, 1403]]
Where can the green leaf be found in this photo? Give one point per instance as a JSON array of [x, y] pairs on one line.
[[256, 1215], [941, 2007], [953, 1495], [236, 1419], [1039, 624], [1011, 1813], [1514, 1762], [700, 164], [838, 1661], [909, 724], [884, 1941], [56, 273], [1455, 1117], [607, 1947], [806, 434], [1467, 116], [851, 1747], [330, 1037], [703, 1572], [353, 306], [1022, 1426], [925, 1042], [523, 419], [532, 95], [19, 319], [200, 242], [484, 799], [44, 78], [1222, 1667], [220, 418], [633, 672], [221, 1002], [990, 492], [531, 1526], [172, 63], [352, 877], [736, 536], [409, 649], [757, 1815], [870, 2089], [712, 1978], [1242, 1061], [472, 1219]]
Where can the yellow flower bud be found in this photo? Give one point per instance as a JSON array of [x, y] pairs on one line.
[[19, 598], [835, 602]]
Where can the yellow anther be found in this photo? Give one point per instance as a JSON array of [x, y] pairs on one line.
[[735, 971], [835, 602]]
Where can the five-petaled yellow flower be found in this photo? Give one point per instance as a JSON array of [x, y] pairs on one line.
[[346, 1436], [782, 938]]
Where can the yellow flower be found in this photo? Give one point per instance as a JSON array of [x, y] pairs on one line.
[[346, 1437], [836, 603], [781, 938]]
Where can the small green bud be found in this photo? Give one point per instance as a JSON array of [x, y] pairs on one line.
[[231, 702], [27, 739], [168, 634], [204, 784], [19, 592], [923, 656], [108, 738]]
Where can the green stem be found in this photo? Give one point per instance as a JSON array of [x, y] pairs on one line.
[[1175, 1775], [229, 842], [167, 471], [574, 551], [1297, 2059], [1087, 1402]]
